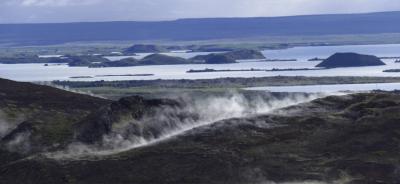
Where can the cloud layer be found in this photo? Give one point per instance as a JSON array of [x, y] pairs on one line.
[[13, 11]]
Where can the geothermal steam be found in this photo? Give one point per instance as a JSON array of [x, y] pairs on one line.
[[167, 121]]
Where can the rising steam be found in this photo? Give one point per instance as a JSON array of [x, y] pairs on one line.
[[167, 122]]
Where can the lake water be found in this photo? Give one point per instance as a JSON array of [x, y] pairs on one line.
[[39, 72], [331, 88]]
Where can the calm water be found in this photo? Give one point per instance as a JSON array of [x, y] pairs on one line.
[[38, 72], [331, 88]]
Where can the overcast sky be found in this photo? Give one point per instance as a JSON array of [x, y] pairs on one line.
[[32, 11]]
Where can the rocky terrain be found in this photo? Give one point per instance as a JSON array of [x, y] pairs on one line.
[[74, 138], [350, 60]]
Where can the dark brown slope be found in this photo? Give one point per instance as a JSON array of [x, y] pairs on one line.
[[41, 115], [350, 139], [28, 94]]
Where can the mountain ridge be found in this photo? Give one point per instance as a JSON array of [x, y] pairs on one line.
[[201, 29]]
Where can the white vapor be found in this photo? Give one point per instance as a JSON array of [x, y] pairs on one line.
[[168, 122]]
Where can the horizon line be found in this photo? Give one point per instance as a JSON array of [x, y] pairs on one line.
[[194, 18]]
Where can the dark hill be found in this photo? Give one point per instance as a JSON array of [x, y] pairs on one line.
[[86, 60], [344, 139], [350, 60], [42, 114], [120, 63], [153, 59], [235, 55], [218, 59], [160, 59], [202, 29], [245, 54], [145, 49], [350, 139]]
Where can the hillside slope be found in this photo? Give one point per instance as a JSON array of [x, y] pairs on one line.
[[344, 139]]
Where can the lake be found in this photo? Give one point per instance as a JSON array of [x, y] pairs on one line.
[[39, 72], [330, 88]]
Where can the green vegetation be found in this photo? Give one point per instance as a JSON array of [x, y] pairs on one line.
[[229, 82], [158, 88], [48, 113]]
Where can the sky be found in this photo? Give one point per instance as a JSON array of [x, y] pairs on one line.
[[41, 11]]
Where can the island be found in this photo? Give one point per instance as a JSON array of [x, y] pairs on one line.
[[218, 59], [84, 60], [120, 63], [141, 48], [350, 60], [316, 59], [253, 70], [160, 59], [153, 59], [392, 70], [242, 54]]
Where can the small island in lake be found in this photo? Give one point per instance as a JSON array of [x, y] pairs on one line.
[[153, 59], [253, 70], [316, 59], [350, 60], [219, 59], [228, 57], [120, 63], [392, 71], [140, 48], [243, 54], [86, 60]]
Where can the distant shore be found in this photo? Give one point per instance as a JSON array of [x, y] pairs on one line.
[[254, 70], [159, 88]]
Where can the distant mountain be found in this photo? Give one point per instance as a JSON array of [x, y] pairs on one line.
[[201, 29]]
